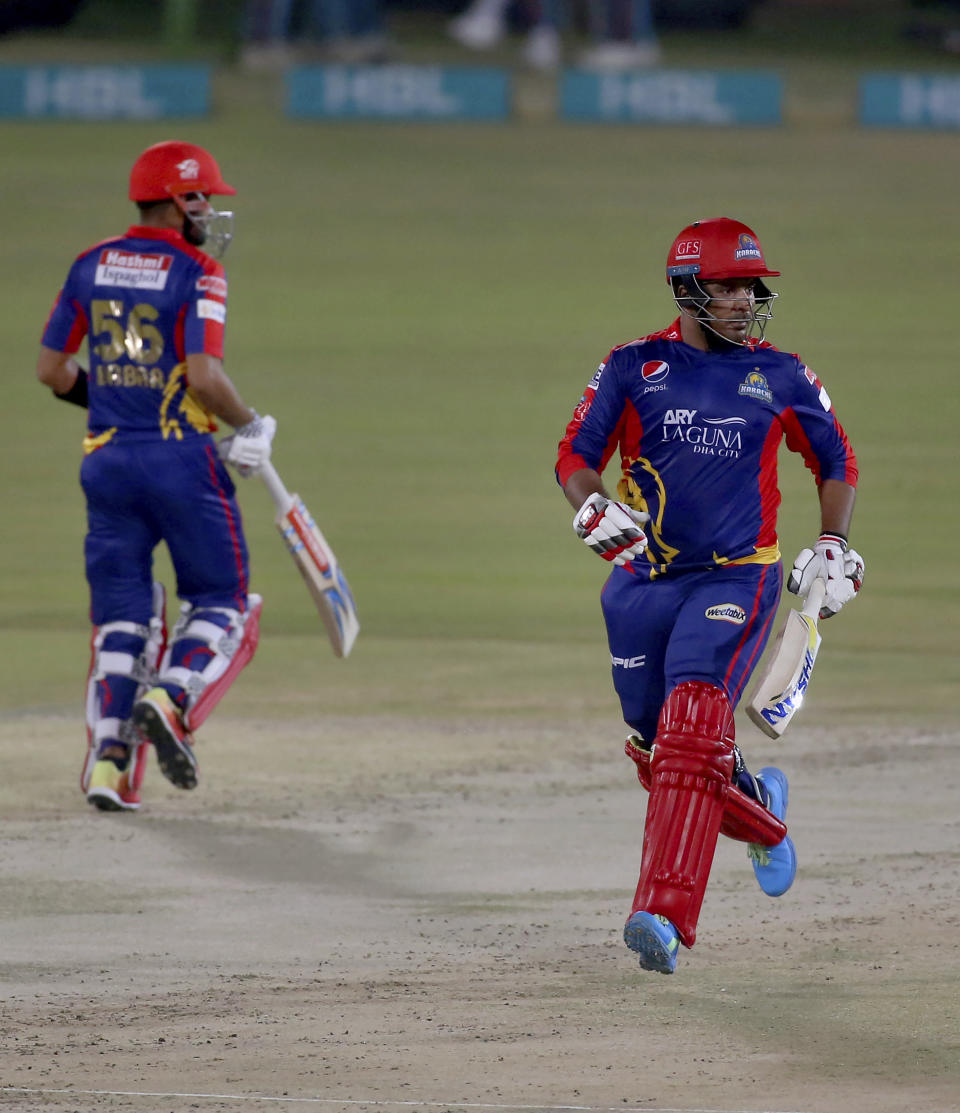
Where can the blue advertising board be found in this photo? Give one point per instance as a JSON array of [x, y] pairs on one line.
[[149, 92], [398, 92], [910, 100], [715, 98]]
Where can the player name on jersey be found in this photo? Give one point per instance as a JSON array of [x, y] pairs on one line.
[[149, 92], [910, 100], [672, 97], [399, 92]]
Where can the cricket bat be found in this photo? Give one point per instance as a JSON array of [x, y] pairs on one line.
[[780, 690], [317, 564]]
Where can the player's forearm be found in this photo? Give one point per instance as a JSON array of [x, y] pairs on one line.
[[215, 391], [581, 485], [57, 370], [836, 506]]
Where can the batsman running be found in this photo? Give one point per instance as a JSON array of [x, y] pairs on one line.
[[152, 305], [697, 412]]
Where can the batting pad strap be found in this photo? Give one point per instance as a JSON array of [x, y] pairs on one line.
[[744, 819]]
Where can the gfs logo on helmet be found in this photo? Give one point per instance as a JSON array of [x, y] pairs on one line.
[[655, 370], [688, 249]]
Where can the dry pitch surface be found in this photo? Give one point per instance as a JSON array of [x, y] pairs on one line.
[[436, 926]]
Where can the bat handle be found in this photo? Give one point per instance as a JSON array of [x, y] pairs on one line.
[[274, 484], [814, 602]]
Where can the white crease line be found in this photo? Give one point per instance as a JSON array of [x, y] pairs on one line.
[[381, 1102]]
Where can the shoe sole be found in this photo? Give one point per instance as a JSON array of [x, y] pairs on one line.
[[642, 938], [176, 764], [106, 800]]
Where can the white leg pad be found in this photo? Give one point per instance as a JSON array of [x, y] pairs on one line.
[[142, 668]]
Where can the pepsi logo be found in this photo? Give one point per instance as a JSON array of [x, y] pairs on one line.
[[654, 370]]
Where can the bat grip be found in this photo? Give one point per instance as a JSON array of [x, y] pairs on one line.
[[814, 601], [274, 484]]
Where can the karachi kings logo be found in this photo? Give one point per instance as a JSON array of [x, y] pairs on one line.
[[747, 247], [755, 386]]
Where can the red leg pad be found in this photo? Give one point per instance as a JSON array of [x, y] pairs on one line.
[[138, 765], [690, 777], [744, 819]]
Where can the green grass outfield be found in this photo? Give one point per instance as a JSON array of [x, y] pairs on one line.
[[420, 308]]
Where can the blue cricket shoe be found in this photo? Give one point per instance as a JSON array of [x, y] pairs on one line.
[[655, 941], [775, 866]]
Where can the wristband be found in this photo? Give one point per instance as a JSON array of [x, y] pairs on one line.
[[836, 539], [79, 393]]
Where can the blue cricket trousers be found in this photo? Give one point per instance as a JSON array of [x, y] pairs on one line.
[[144, 490], [710, 626]]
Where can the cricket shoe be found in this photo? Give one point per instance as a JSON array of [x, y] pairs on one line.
[[655, 941], [109, 788], [158, 719], [775, 866]]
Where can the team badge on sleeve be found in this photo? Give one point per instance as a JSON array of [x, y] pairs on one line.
[[212, 310], [213, 285], [822, 395]]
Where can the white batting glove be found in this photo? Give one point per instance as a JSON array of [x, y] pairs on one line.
[[611, 529], [829, 560], [248, 449]]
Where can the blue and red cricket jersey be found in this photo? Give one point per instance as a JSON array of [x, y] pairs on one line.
[[697, 434], [151, 473], [145, 301]]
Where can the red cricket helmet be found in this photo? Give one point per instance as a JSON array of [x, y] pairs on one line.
[[716, 249], [171, 168]]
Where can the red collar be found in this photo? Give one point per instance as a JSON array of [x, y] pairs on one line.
[[144, 232]]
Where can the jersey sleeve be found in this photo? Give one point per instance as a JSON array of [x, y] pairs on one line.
[[811, 428], [67, 324], [205, 318], [594, 430]]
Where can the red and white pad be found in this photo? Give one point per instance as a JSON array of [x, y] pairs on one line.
[[230, 651], [690, 778]]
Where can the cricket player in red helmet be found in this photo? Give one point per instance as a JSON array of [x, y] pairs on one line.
[[189, 176], [697, 412], [153, 307]]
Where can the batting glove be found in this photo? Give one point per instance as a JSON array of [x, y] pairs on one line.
[[248, 449], [840, 568], [611, 529]]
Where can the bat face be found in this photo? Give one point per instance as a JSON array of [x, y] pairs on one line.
[[320, 571], [305, 541], [780, 691]]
